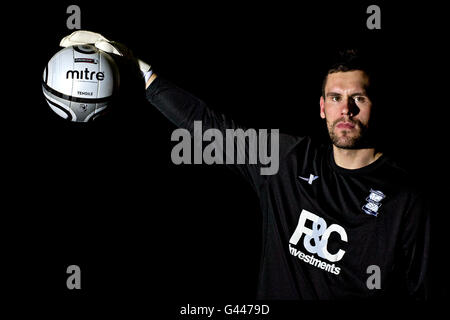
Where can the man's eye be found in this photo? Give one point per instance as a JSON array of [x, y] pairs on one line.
[[335, 98], [360, 99]]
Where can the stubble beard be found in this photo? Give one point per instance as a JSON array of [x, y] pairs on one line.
[[354, 139]]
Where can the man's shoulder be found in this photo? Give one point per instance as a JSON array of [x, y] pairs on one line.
[[294, 144], [401, 177]]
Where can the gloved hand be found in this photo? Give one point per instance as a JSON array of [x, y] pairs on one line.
[[82, 37]]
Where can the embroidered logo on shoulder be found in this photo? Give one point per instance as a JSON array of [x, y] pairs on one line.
[[373, 202]]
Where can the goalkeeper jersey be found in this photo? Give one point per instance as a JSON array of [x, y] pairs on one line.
[[328, 232]]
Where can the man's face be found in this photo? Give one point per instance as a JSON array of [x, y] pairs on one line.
[[346, 108]]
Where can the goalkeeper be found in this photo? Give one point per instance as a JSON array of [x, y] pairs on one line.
[[334, 212]]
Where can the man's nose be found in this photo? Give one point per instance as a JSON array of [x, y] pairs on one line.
[[349, 107]]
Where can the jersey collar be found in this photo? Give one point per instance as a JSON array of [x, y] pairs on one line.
[[364, 170]]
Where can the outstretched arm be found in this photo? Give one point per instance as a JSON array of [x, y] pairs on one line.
[[188, 112]]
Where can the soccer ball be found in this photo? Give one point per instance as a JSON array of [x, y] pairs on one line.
[[79, 82]]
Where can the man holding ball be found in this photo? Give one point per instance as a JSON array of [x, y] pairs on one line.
[[340, 220]]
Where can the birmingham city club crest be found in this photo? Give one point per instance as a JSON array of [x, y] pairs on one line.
[[373, 202]]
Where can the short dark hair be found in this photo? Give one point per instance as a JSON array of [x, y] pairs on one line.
[[350, 59]]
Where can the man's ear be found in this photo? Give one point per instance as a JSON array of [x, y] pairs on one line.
[[322, 107]]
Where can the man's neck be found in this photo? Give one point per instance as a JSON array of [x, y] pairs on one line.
[[354, 158]]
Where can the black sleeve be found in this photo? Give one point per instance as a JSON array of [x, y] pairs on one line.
[[182, 109], [416, 247]]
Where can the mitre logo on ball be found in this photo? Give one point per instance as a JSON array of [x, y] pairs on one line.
[[75, 74], [79, 82]]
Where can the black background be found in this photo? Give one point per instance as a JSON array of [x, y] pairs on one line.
[[149, 235]]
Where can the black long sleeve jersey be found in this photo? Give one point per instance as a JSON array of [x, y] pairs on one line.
[[328, 232]]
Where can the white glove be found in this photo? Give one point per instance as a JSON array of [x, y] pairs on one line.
[[82, 37]]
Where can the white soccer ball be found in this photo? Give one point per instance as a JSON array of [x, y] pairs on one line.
[[79, 82]]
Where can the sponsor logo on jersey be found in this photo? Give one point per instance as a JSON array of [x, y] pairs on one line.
[[315, 241], [373, 202]]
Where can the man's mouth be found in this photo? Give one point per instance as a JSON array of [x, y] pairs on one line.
[[345, 125]]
